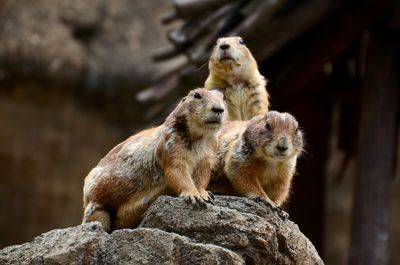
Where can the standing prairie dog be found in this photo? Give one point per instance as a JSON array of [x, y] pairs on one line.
[[258, 158], [234, 72], [175, 158]]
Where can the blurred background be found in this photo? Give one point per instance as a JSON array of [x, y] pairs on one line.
[[78, 77]]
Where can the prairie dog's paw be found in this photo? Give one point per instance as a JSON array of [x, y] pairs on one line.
[[282, 214], [207, 196], [257, 198], [194, 197]]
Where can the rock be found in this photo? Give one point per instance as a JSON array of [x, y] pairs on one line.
[[234, 231], [154, 246], [76, 245], [89, 244], [248, 228], [97, 43]]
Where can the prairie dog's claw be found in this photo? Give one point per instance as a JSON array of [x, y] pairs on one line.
[[211, 195], [191, 199], [194, 199], [259, 199], [282, 214], [200, 202], [207, 196]]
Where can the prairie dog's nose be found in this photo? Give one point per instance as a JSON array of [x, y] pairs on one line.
[[282, 145], [218, 109], [224, 46]]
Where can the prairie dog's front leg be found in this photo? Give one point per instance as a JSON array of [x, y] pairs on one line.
[[201, 177], [247, 184], [177, 176]]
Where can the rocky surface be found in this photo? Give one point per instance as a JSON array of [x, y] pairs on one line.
[[234, 231], [89, 244], [239, 224]]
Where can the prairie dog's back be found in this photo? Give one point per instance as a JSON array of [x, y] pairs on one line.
[[139, 148], [229, 133], [116, 175]]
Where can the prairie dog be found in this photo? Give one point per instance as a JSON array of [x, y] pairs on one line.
[[175, 158], [258, 158], [234, 72]]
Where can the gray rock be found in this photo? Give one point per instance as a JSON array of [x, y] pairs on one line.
[[76, 245], [89, 244], [234, 231], [154, 246], [251, 229]]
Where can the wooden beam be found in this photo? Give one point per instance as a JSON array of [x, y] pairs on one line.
[[164, 85], [259, 18], [377, 147], [266, 36], [340, 33], [190, 8]]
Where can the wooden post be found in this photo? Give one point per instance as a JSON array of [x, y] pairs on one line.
[[312, 109], [369, 238]]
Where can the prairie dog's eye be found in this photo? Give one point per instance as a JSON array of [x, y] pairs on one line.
[[268, 126], [297, 129], [197, 95], [241, 41]]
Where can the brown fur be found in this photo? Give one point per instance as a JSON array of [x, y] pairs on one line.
[[174, 158], [250, 163], [234, 72]]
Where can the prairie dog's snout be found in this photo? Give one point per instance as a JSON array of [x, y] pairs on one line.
[[224, 50], [218, 109], [230, 49], [282, 145], [217, 113], [224, 46]]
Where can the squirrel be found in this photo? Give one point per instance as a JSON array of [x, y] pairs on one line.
[[174, 158], [257, 158], [234, 72]]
